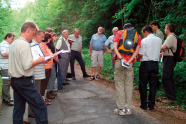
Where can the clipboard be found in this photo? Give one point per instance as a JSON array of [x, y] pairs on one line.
[[36, 51]]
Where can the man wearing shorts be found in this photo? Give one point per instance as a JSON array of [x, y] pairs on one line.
[[97, 50]]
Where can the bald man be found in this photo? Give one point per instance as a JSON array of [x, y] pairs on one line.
[[76, 49]]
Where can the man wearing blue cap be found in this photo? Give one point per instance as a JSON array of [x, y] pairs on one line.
[[126, 47]]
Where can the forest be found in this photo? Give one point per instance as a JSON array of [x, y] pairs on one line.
[[88, 15]]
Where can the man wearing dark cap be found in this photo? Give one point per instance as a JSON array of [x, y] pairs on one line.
[[123, 75]]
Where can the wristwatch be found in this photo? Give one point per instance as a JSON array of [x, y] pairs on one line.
[[121, 58]]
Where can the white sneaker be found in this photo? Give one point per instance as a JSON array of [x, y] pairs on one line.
[[120, 112], [128, 112]]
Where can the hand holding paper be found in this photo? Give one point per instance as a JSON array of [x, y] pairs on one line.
[[57, 53]]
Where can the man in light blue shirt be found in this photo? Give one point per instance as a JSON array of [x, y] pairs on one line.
[[97, 50], [111, 43]]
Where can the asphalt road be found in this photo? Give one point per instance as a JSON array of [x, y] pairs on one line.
[[82, 102]]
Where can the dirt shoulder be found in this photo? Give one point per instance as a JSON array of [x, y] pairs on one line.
[[166, 114]]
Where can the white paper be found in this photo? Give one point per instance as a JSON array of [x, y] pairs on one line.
[[161, 60], [5, 78], [36, 51], [57, 53], [125, 64]]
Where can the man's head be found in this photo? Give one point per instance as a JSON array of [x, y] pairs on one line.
[[9, 37], [65, 34], [169, 28], [76, 33], [154, 25], [54, 37], [100, 30], [28, 30], [146, 30], [128, 25], [39, 36], [115, 30]]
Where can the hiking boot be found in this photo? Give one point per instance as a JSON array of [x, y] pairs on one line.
[[120, 112], [128, 112], [54, 93], [49, 95], [67, 79]]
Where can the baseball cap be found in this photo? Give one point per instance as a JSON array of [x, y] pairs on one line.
[[128, 25]]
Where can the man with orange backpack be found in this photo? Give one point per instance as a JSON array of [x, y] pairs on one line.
[[126, 47]]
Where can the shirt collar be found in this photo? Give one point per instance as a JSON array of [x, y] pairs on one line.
[[35, 41], [150, 35]]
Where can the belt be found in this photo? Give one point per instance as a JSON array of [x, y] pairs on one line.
[[23, 77]]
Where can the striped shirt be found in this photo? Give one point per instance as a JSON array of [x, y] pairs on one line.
[[47, 52], [39, 70], [4, 48]]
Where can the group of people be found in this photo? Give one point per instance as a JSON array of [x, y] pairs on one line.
[[32, 78], [125, 46]]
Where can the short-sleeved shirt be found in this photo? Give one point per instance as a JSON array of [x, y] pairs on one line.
[[47, 52], [150, 48], [110, 42], [77, 44], [171, 43], [20, 59], [4, 48], [117, 39], [98, 42], [39, 70], [159, 34], [59, 43]]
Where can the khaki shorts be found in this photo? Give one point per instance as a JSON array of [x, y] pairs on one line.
[[97, 58]]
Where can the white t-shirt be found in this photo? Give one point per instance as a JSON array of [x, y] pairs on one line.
[[150, 48], [4, 48]]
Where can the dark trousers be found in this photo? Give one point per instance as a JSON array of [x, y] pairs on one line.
[[77, 55], [148, 72], [25, 91], [59, 77], [167, 76], [45, 81]]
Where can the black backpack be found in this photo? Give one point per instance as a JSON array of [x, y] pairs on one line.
[[179, 55]]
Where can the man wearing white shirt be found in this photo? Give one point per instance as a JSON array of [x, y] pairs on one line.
[[76, 49], [149, 54], [4, 54]]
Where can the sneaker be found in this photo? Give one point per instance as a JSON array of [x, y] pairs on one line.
[[120, 112], [128, 112]]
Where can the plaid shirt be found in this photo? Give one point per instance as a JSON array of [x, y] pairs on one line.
[[117, 39]]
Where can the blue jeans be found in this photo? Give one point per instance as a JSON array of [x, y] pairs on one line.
[[59, 77], [25, 91]]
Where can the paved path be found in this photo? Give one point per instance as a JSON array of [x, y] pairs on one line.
[[83, 103]]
